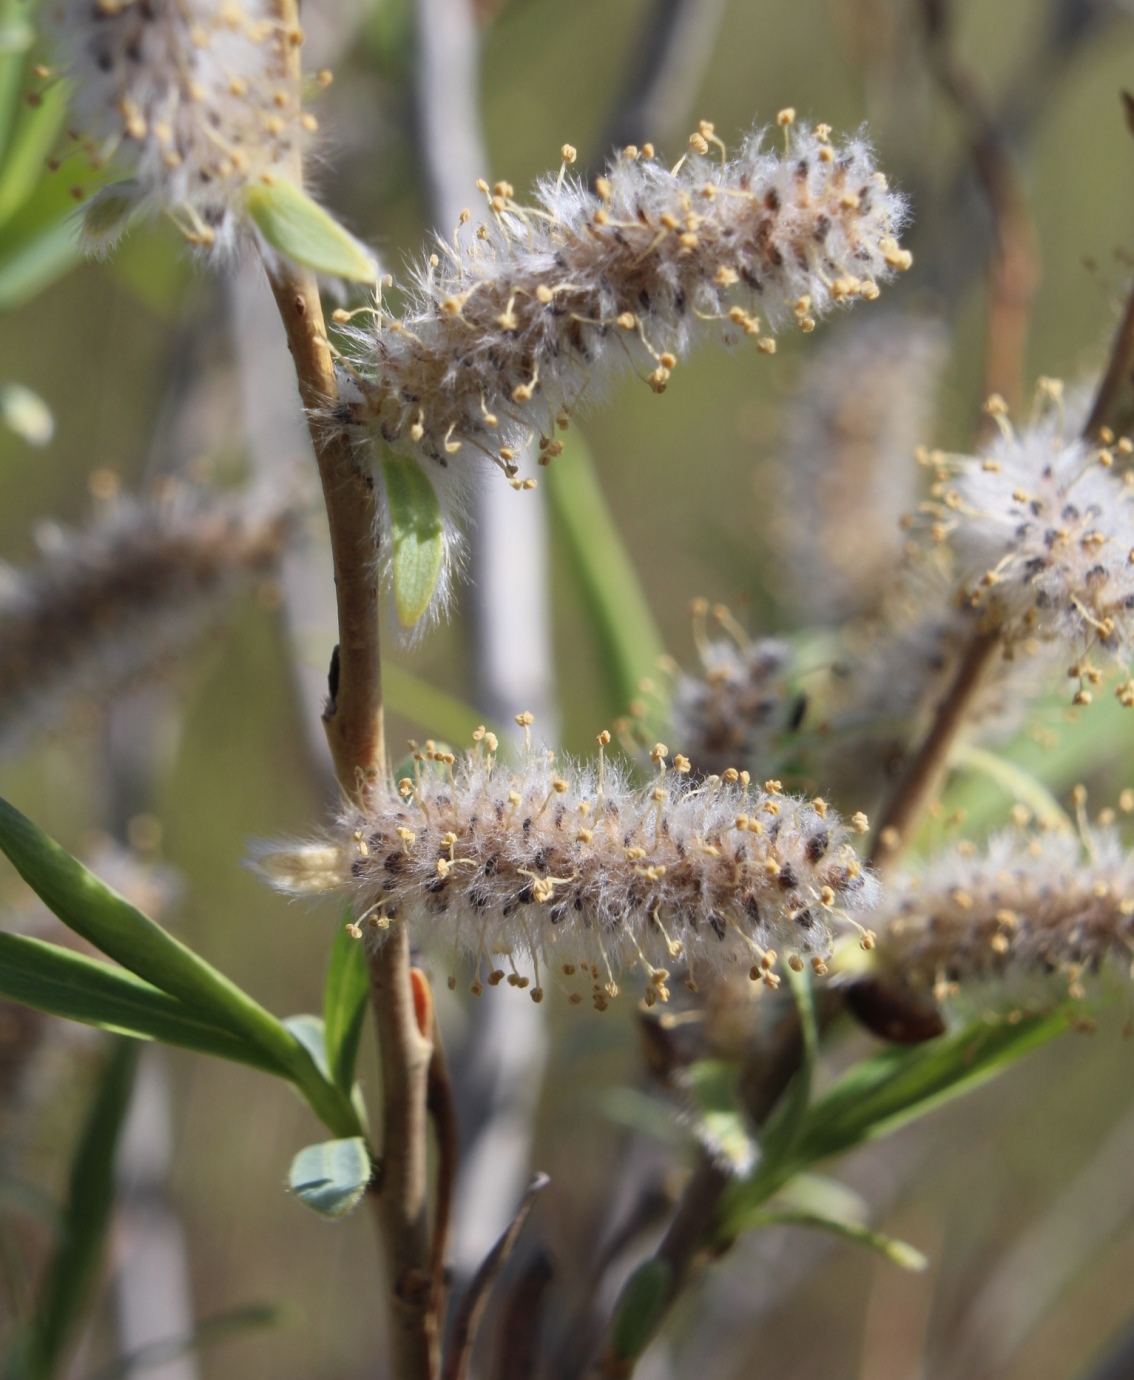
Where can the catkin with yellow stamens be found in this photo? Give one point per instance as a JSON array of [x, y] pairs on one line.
[[531, 307], [541, 865]]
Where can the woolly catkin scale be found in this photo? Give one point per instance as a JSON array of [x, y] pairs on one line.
[[514, 321], [566, 868]]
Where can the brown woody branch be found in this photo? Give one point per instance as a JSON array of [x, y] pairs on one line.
[[353, 720]]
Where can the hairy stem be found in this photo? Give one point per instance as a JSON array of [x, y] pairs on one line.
[[1013, 272]]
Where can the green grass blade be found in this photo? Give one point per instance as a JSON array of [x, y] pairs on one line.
[[73, 1270], [630, 636], [78, 988], [123, 933], [1015, 782], [345, 995]]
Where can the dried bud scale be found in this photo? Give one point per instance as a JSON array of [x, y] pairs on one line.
[[124, 596], [194, 101], [512, 322], [1027, 903], [575, 876]]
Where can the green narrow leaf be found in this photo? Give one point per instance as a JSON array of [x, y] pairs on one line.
[[16, 38], [73, 1270], [109, 922], [308, 1030], [630, 637], [720, 1125], [639, 1311], [307, 234], [32, 140], [331, 1177], [880, 1094], [345, 994], [236, 1322], [33, 259], [417, 534], [902, 1083], [61, 983], [900, 1253]]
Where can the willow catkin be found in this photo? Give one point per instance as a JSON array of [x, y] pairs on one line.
[[1025, 903], [736, 711], [193, 101], [512, 323], [124, 596], [569, 869], [1042, 529]]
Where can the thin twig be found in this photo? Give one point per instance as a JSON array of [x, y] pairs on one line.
[[354, 724], [473, 1304], [1014, 266], [442, 1109], [517, 1350], [1119, 375], [925, 772], [764, 1078]]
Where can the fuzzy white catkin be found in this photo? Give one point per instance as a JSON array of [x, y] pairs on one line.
[[192, 100], [123, 597], [532, 307], [1042, 528], [570, 870], [1027, 903]]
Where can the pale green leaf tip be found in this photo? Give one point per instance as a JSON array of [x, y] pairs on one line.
[[301, 230], [905, 1256]]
